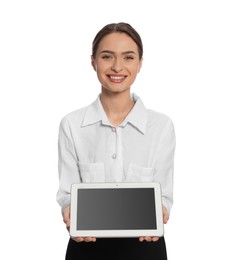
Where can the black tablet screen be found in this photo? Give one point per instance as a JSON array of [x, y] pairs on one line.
[[116, 209]]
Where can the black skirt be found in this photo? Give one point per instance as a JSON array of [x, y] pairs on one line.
[[116, 248]]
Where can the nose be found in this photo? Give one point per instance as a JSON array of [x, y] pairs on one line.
[[116, 66]]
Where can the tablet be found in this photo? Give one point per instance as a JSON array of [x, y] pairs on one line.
[[116, 210]]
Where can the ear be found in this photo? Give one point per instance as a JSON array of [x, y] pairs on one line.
[[93, 63], [140, 65]]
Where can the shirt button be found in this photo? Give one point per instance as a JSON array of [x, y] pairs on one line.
[[113, 129], [114, 156]]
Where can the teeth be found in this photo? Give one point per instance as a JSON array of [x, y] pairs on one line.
[[117, 77]]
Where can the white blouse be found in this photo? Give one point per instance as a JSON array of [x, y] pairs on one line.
[[140, 149]]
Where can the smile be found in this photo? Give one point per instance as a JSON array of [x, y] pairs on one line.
[[117, 78]]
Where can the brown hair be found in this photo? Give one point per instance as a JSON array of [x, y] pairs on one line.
[[121, 28]]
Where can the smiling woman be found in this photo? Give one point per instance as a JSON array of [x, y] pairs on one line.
[[117, 62], [116, 139]]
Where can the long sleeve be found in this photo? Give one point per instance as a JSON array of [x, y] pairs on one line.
[[165, 165], [67, 164]]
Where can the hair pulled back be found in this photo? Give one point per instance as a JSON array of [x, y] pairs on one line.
[[121, 28]]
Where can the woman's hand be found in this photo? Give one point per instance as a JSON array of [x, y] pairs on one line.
[[66, 217], [165, 220], [165, 215], [148, 239], [66, 220], [84, 239]]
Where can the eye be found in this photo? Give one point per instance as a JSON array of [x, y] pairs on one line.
[[107, 57], [129, 58]]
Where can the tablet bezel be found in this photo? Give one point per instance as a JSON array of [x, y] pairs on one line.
[[116, 233]]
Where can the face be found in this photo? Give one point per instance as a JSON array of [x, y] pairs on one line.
[[117, 62]]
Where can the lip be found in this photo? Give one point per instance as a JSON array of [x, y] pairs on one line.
[[116, 78]]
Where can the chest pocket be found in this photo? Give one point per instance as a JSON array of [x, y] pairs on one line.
[[137, 173], [92, 172]]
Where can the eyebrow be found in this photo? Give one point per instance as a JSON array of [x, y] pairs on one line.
[[112, 52]]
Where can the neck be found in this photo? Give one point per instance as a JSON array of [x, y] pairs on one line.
[[116, 105]]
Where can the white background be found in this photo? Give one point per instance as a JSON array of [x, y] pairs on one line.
[[188, 74]]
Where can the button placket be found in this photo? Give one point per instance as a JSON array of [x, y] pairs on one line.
[[114, 155]]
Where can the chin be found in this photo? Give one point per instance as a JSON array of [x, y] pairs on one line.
[[116, 90]]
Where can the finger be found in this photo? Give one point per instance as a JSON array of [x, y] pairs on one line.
[[78, 239], [154, 239], [89, 239], [148, 239], [84, 239]]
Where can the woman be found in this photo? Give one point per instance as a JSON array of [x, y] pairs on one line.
[[116, 139]]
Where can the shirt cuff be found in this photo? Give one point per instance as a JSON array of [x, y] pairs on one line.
[[167, 205]]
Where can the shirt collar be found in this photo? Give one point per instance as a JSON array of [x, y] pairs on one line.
[[137, 117], [95, 113]]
